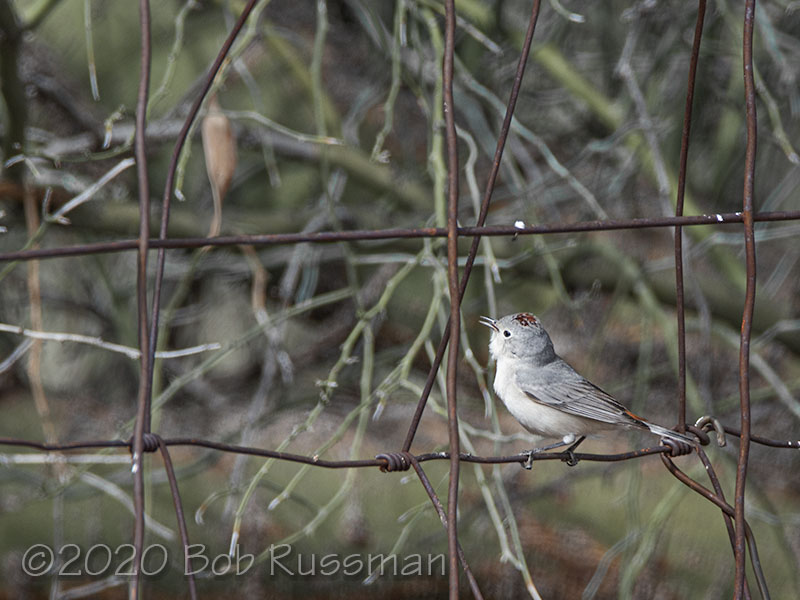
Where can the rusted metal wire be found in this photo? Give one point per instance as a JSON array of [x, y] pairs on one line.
[[712, 476], [389, 461], [764, 441], [176, 501], [750, 293], [451, 138], [142, 412], [680, 303], [381, 460], [437, 504], [327, 237]]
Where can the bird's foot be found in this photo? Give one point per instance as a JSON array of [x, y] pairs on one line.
[[528, 464], [571, 459]]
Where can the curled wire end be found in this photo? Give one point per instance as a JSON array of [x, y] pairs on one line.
[[395, 461], [708, 423], [150, 441], [676, 448]]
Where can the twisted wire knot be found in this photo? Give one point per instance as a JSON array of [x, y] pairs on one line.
[[701, 434], [150, 442], [676, 448], [395, 461]]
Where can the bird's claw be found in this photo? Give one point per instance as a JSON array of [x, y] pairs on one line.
[[570, 459], [528, 464]]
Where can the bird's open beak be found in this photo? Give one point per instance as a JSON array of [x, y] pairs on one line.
[[488, 322]]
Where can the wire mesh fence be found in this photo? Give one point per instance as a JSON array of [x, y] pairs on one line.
[[454, 102]]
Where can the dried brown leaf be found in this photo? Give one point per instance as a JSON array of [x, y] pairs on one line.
[[219, 147]]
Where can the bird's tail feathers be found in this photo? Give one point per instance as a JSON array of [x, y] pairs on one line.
[[668, 433]]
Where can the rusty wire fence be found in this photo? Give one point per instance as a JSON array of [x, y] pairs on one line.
[[456, 268]]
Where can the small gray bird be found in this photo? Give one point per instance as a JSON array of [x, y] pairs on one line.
[[546, 395]]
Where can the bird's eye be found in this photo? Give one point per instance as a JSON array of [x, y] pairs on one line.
[[507, 333]]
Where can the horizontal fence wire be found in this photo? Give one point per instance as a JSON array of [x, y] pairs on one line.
[[145, 441], [329, 237]]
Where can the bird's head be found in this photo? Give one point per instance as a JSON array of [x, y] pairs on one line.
[[521, 336]]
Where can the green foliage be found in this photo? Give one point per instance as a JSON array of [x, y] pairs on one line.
[[323, 349]]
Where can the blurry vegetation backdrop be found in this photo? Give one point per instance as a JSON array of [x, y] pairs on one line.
[[334, 110]]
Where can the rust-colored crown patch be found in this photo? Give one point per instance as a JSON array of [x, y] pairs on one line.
[[526, 319]]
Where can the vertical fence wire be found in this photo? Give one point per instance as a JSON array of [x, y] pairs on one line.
[[680, 304], [140, 150], [750, 292], [452, 280]]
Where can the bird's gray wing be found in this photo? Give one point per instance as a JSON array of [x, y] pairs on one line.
[[566, 390]]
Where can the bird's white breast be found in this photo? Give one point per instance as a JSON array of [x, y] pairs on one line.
[[536, 417]]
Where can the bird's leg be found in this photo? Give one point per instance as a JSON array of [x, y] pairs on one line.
[[529, 463], [571, 460]]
